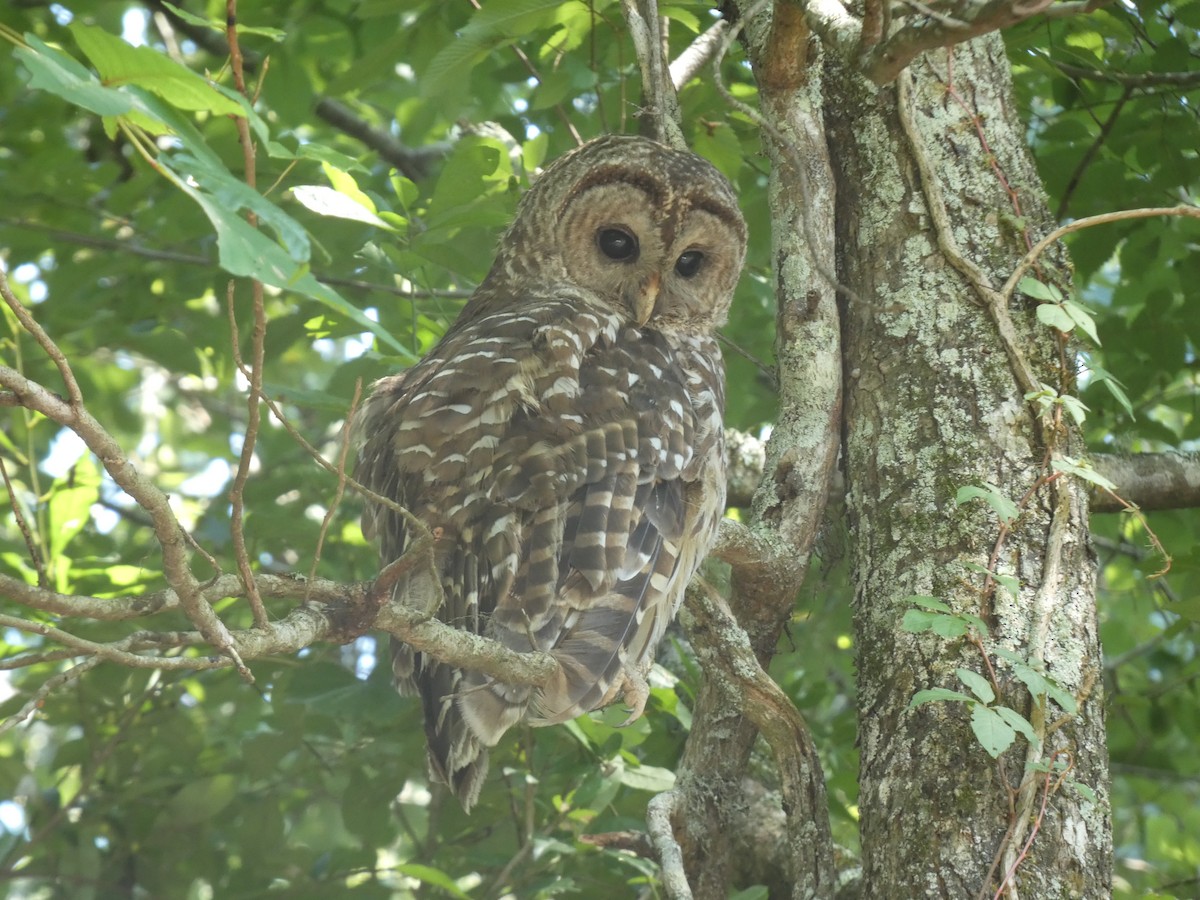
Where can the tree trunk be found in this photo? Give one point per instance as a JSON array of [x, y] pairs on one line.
[[935, 379]]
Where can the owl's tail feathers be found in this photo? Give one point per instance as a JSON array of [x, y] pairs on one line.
[[465, 715]]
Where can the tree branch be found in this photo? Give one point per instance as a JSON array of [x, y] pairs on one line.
[[414, 163], [171, 538], [770, 557], [1150, 481], [324, 607], [1131, 79], [890, 58], [660, 814], [658, 90], [254, 373], [171, 256], [1191, 212], [717, 637], [689, 63]]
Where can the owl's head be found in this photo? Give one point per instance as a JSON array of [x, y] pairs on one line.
[[653, 232]]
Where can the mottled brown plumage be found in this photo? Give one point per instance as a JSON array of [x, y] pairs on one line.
[[564, 440]]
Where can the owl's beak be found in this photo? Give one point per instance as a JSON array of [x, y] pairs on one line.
[[644, 298]]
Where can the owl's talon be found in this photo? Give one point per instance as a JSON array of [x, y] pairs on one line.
[[635, 692]]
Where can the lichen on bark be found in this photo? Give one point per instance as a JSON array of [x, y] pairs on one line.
[[932, 405]]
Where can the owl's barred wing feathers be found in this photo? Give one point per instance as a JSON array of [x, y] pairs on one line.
[[571, 465], [563, 442]]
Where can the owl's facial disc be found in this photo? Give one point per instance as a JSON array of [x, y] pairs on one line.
[[652, 244]]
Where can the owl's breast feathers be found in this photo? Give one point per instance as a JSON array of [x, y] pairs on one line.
[[572, 467]]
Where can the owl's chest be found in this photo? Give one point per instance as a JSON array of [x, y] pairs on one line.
[[499, 394]]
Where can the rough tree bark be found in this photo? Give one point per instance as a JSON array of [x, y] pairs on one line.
[[935, 402], [789, 503], [906, 204]]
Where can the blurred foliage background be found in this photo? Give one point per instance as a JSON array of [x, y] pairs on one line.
[[312, 781]]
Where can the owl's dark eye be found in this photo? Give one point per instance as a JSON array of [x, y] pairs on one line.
[[689, 263], [618, 244]]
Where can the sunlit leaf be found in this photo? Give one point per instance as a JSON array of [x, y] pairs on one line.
[[325, 201], [122, 64]]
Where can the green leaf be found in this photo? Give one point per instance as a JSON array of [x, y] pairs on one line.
[[344, 183], [70, 503], [1017, 722], [758, 892], [54, 71], [1010, 583], [992, 732], [1075, 408], [1055, 316], [495, 25], [1031, 287], [1083, 791], [120, 63], [406, 191], [1113, 386], [1084, 318], [479, 166], [273, 33], [198, 801], [978, 685], [435, 877], [931, 695], [1081, 469], [1001, 505], [247, 252], [916, 622], [1009, 655], [647, 778], [325, 201], [1041, 685]]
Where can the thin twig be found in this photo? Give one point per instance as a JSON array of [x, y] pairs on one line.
[[532, 70], [343, 454], [49, 686], [258, 337], [246, 457], [27, 321], [167, 530], [1182, 80], [1088, 155], [1008, 884], [171, 256], [315, 620], [1191, 212], [35, 555]]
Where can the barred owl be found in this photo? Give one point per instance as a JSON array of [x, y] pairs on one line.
[[564, 442]]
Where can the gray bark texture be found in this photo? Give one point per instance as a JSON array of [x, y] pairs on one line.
[[934, 402], [898, 213]]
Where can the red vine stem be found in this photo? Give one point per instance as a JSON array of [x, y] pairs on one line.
[[1049, 789], [258, 340]]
